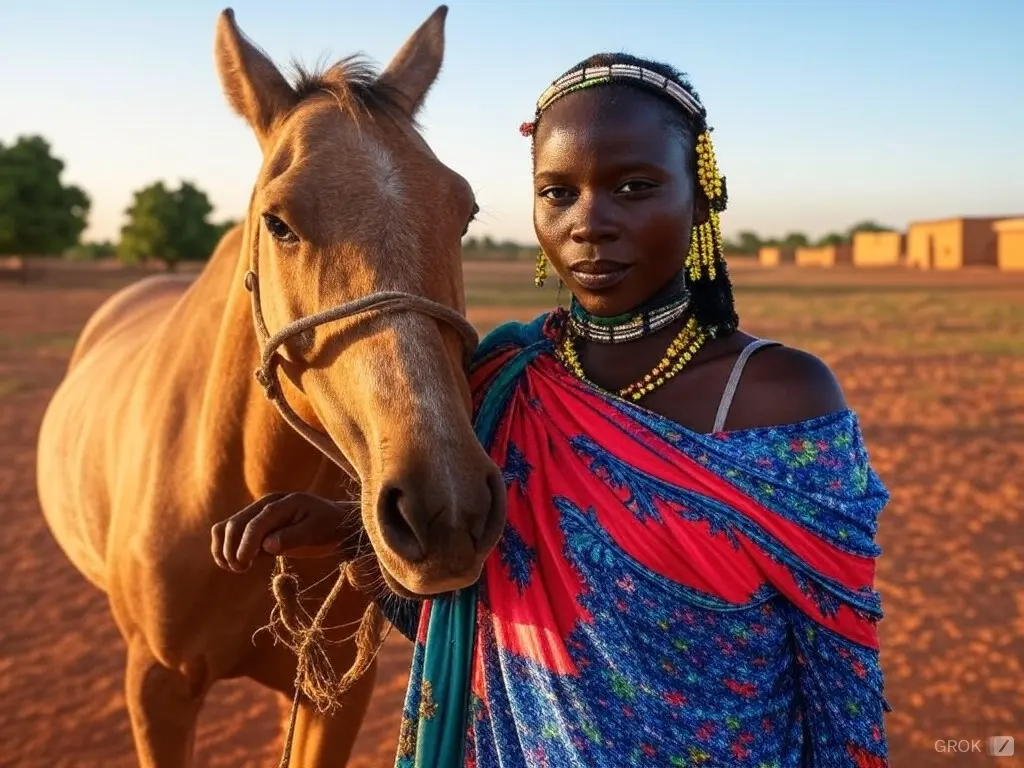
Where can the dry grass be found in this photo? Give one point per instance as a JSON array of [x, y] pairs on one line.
[[934, 363]]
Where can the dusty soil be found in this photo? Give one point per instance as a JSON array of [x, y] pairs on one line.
[[946, 429]]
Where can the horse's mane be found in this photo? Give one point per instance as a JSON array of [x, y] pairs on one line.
[[354, 83]]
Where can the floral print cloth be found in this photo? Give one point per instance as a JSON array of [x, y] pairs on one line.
[[659, 597]]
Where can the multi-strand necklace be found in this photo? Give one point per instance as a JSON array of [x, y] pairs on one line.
[[647, 319], [627, 327]]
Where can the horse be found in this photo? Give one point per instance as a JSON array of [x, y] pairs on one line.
[[342, 289]]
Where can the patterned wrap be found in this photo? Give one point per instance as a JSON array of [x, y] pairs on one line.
[[659, 597]]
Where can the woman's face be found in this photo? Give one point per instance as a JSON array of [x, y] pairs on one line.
[[614, 196]]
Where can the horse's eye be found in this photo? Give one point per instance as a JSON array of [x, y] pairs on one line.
[[472, 218], [278, 229]]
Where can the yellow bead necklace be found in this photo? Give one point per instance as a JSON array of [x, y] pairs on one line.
[[679, 353]]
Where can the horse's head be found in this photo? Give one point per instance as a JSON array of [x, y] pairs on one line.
[[351, 202]]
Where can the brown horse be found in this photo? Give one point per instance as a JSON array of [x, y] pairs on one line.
[[160, 430]]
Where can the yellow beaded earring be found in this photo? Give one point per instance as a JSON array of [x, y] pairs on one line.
[[706, 238], [542, 269], [705, 244]]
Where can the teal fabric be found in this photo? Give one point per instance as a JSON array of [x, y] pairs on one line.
[[439, 686], [447, 657]]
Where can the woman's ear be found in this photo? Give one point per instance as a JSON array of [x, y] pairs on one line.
[[701, 209]]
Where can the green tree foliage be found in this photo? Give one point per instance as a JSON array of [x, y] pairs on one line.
[[91, 251], [795, 240], [868, 226], [748, 242], [39, 215], [169, 225], [833, 238], [487, 248]]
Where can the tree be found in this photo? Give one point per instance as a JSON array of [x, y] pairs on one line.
[[795, 240], [152, 217], [748, 242], [91, 251], [868, 226], [39, 215], [169, 225], [833, 238]]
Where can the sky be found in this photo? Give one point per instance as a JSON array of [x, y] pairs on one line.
[[826, 112]]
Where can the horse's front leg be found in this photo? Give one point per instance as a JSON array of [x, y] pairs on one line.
[[164, 707]]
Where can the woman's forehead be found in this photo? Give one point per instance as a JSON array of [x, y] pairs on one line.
[[604, 125], [608, 108]]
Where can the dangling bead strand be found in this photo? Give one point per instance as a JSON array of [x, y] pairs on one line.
[[706, 238]]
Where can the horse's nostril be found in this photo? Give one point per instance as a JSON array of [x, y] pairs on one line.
[[398, 524]]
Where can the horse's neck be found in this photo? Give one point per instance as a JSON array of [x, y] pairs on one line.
[[243, 439]]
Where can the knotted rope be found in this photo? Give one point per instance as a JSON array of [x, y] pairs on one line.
[[315, 678]]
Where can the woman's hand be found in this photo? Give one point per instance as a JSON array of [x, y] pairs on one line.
[[293, 524]]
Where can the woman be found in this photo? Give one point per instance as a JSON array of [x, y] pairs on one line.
[[686, 577]]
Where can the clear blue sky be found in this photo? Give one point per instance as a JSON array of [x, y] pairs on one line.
[[826, 111]]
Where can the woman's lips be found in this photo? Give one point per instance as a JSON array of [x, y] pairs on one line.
[[597, 275]]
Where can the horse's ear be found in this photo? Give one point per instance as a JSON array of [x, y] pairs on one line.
[[254, 87], [415, 67]]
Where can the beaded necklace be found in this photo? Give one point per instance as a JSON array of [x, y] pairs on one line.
[[653, 315], [680, 352], [668, 306]]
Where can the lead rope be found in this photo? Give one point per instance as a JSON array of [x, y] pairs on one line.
[[313, 674]]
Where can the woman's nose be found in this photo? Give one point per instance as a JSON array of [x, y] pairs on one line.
[[595, 223]]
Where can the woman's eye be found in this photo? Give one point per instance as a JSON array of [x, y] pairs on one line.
[[555, 193], [636, 186], [278, 229]]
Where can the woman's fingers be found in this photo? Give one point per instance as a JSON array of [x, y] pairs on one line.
[[226, 535], [297, 524], [273, 519]]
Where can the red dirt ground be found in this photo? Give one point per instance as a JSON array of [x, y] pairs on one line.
[[946, 433]]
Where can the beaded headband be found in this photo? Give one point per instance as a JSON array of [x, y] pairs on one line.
[[588, 76]]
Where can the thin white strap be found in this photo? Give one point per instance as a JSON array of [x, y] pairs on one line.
[[734, 380]]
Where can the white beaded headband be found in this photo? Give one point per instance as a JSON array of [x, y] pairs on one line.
[[586, 75]]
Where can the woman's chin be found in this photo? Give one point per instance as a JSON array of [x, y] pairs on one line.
[[609, 303], [621, 298]]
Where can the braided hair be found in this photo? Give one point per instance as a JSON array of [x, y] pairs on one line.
[[707, 275]]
